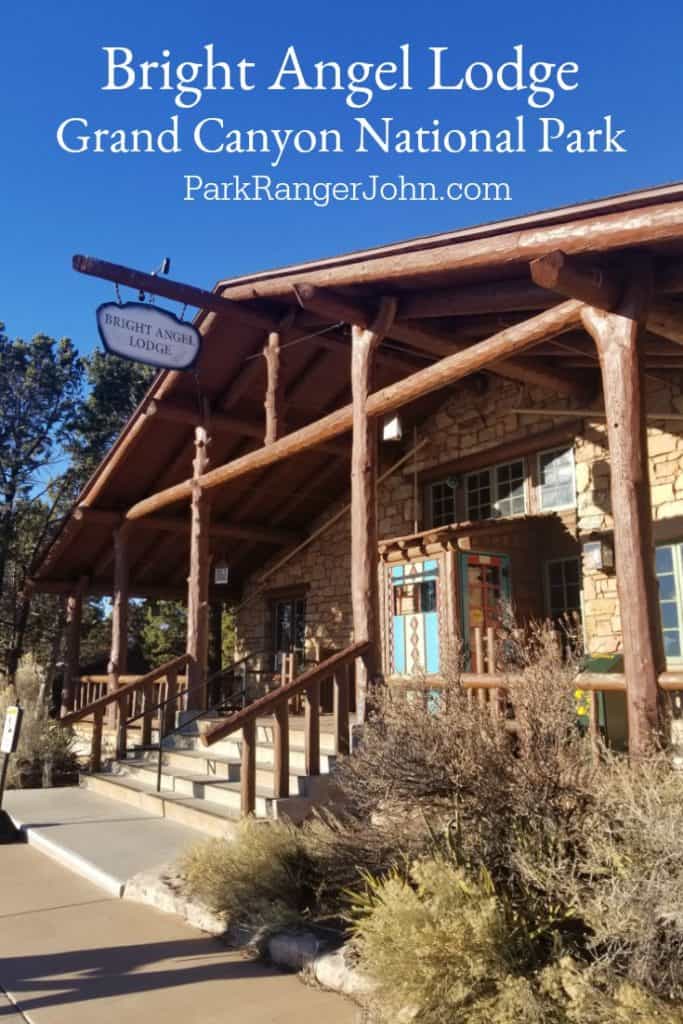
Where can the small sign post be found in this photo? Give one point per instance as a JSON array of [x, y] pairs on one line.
[[8, 741], [147, 334]]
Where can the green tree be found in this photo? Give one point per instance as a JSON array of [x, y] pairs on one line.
[[164, 630], [40, 392], [115, 389]]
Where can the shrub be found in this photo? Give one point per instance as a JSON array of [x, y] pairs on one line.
[[442, 949], [261, 879], [434, 943], [42, 740]]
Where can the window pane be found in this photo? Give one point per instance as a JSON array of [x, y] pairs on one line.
[[672, 645], [664, 559], [669, 615], [556, 471], [667, 587]]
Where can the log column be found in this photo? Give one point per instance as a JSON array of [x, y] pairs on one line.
[[615, 336], [74, 614], [118, 657], [273, 401], [198, 580], [364, 592]]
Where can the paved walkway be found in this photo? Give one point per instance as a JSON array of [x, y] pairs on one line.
[[70, 954]]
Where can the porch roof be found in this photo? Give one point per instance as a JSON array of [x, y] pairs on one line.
[[454, 289]]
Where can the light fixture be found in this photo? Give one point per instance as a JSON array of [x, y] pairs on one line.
[[221, 572], [598, 553], [392, 428]]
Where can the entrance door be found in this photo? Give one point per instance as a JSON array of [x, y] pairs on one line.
[[415, 618], [289, 630], [485, 584]]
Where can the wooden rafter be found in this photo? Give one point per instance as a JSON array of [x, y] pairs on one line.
[[432, 378], [332, 306]]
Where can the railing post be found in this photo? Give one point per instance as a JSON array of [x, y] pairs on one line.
[[74, 611], [341, 709], [146, 737], [167, 713], [312, 729], [479, 662], [494, 695], [248, 768], [122, 727], [281, 749], [96, 744]]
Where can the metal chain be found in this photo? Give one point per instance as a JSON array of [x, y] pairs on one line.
[[118, 293]]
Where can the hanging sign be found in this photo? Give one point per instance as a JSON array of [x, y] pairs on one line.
[[146, 334]]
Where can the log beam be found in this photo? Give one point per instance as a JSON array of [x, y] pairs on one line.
[[198, 580], [332, 306], [615, 336], [364, 593], [222, 423], [590, 231], [558, 273], [601, 289], [439, 375]]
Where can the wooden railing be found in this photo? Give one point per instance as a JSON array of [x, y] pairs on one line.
[[91, 687], [495, 688], [277, 703], [142, 688]]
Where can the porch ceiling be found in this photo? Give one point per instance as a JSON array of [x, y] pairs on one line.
[[444, 305]]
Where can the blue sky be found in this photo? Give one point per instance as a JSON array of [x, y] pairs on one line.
[[129, 209]]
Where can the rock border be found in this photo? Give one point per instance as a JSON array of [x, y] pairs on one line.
[[302, 950]]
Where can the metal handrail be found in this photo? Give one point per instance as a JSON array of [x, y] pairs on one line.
[[269, 702]]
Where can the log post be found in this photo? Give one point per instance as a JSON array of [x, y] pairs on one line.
[[364, 589], [341, 710], [615, 336], [273, 402], [118, 656], [74, 614], [167, 714], [248, 767], [312, 729], [96, 742], [198, 580], [281, 749]]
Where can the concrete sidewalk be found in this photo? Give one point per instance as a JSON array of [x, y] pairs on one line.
[[70, 953], [104, 840]]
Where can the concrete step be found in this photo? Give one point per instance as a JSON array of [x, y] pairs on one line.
[[195, 782], [203, 760], [200, 803], [203, 815]]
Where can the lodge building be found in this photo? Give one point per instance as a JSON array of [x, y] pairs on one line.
[[405, 443]]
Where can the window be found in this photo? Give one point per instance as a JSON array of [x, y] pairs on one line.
[[564, 587], [289, 620], [497, 491], [668, 565], [441, 496], [556, 483]]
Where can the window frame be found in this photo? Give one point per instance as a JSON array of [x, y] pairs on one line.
[[539, 487], [492, 472], [563, 559], [442, 481], [677, 561]]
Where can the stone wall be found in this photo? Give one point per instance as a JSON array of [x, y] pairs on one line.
[[470, 421]]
